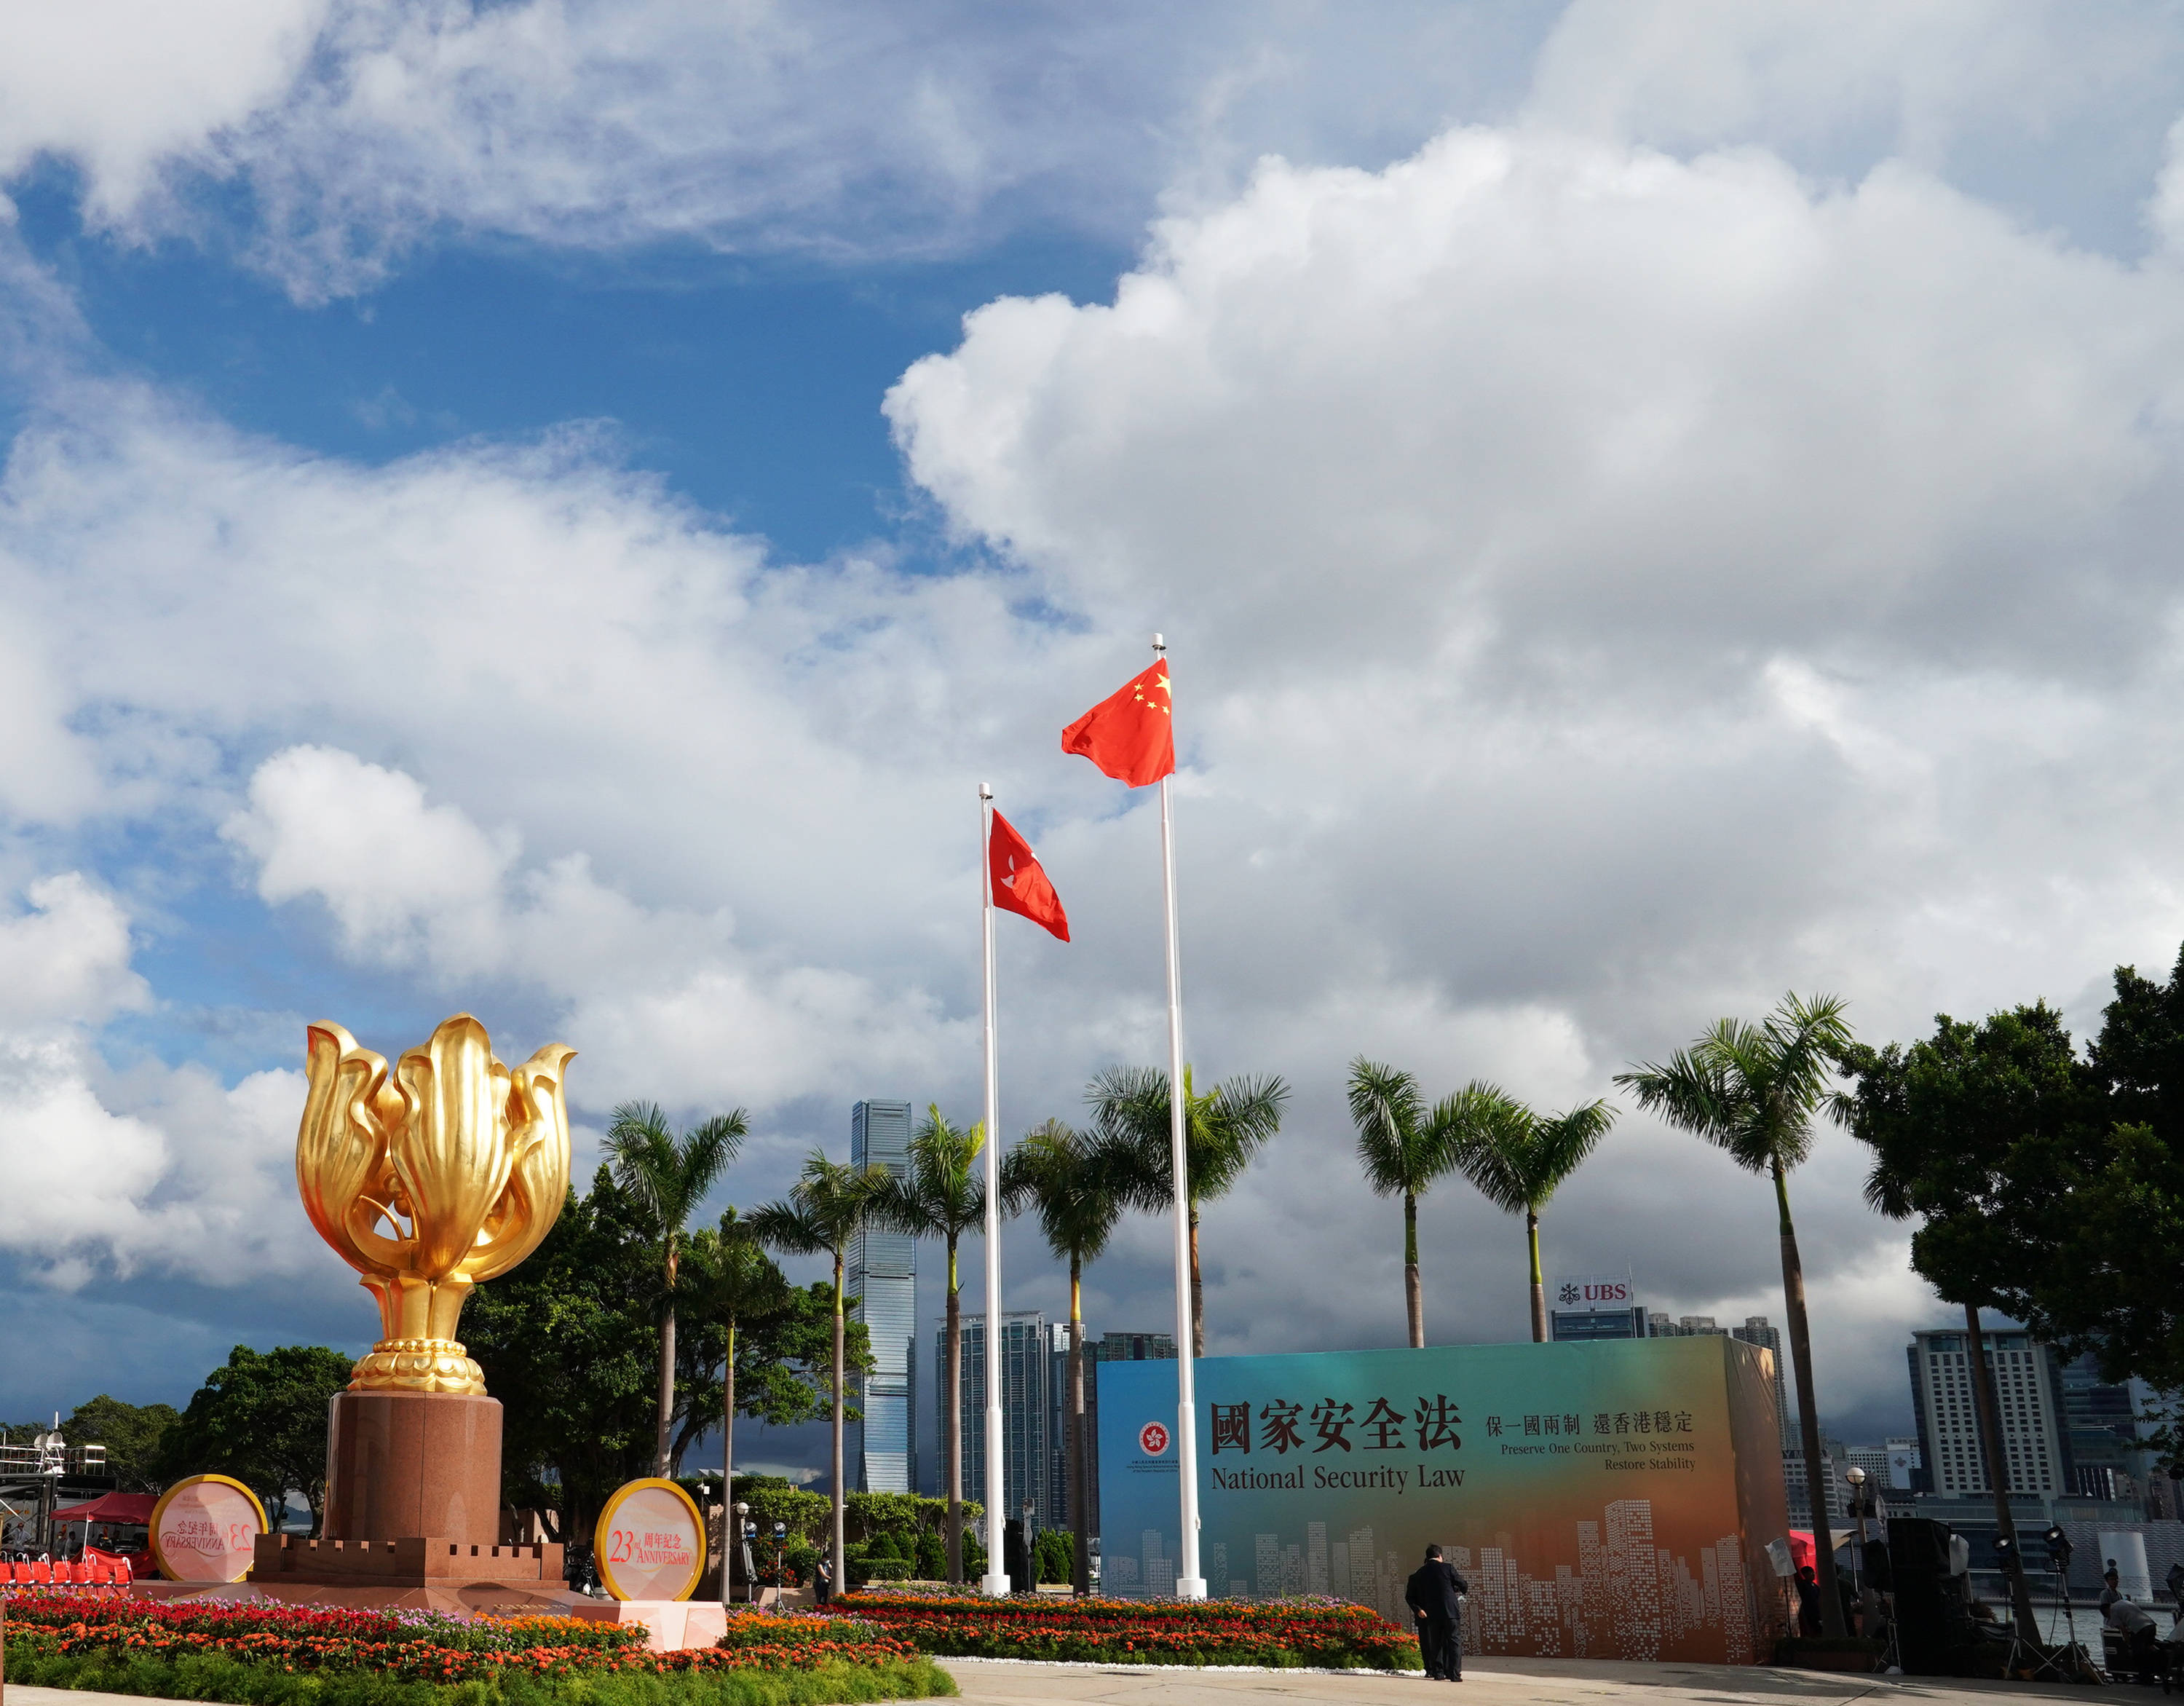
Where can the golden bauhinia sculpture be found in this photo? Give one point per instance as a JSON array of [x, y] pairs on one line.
[[447, 1172]]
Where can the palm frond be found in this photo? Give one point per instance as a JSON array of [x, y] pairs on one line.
[[1753, 1090], [1069, 1179], [1398, 1146], [1488, 1134]]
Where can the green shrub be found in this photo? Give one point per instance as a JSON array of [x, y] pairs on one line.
[[1052, 1555], [933, 1556]]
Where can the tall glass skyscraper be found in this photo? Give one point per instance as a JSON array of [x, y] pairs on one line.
[[882, 1277], [1030, 1449]]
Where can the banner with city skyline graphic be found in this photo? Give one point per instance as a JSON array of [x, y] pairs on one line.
[[1606, 1500]]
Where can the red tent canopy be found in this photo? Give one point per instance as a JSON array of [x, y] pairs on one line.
[[113, 1506]]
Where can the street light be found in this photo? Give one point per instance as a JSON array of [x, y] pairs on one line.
[[1861, 1507], [744, 1532]]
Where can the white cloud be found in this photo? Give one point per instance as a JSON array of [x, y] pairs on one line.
[[1607, 589], [123, 87], [66, 960], [153, 1168]]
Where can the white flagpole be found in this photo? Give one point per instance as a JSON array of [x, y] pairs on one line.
[[996, 1582], [1189, 1583]]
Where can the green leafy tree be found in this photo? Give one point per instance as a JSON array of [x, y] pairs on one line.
[[132, 1434], [1075, 1186], [2096, 1222], [562, 1342], [1752, 1090], [1518, 1160], [942, 1195], [1224, 1130], [1404, 1146], [1943, 1119], [823, 1213], [261, 1418], [749, 1341], [666, 1177]]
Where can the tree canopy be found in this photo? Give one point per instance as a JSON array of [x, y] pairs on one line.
[[2050, 1186], [132, 1434], [567, 1343], [260, 1417]]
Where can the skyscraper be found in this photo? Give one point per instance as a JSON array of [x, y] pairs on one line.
[[1030, 1449], [2027, 1389], [882, 1277], [2102, 1416]]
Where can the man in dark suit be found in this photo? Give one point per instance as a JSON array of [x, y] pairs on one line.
[[1431, 1593]]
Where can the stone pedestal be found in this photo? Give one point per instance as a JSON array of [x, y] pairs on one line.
[[413, 1501], [401, 1465]]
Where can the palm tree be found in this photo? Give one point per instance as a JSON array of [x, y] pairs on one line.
[[731, 1280], [1403, 1149], [665, 1177], [1222, 1130], [1753, 1090], [942, 1195], [825, 1208], [1517, 1160], [1070, 1181]]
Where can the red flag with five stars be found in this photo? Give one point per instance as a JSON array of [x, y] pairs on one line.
[[1129, 735], [1019, 883]]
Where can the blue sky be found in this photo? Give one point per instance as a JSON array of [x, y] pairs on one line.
[[552, 509]]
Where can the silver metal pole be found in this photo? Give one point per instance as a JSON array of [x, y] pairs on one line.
[[1189, 1583], [996, 1582]]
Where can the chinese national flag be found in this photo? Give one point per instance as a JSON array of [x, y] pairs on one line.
[[1019, 884], [1131, 735]]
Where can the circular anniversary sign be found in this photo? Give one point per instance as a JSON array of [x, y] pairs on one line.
[[650, 1543], [204, 1529]]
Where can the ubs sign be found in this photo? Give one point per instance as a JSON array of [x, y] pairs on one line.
[[1592, 1291]]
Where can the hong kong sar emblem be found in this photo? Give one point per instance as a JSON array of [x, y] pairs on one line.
[[1153, 1438]]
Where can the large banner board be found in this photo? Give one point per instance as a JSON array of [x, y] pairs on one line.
[[1606, 1500]]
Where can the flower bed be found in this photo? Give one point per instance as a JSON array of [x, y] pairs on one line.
[[289, 1655], [1288, 1633]]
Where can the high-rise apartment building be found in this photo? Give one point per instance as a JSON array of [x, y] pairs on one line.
[[1029, 1447], [2027, 1388], [882, 1277]]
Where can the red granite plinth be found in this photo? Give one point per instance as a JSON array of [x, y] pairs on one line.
[[401, 1564], [403, 1465]]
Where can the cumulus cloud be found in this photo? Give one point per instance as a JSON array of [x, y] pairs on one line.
[[126, 88], [116, 1173], [360, 130], [1607, 588]]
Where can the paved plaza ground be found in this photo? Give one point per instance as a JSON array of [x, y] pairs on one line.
[[1487, 1682]]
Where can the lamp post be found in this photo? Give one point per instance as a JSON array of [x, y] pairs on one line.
[[733, 1517], [1861, 1507]]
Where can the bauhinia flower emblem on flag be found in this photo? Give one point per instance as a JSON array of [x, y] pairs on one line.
[[1020, 885]]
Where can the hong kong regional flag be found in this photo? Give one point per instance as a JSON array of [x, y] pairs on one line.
[[1019, 884], [1131, 735]]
